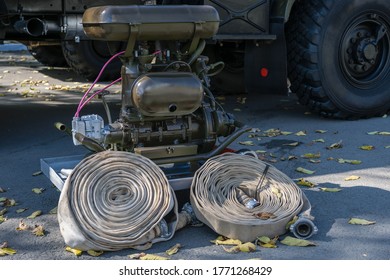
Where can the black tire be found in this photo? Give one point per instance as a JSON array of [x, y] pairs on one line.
[[50, 55], [87, 58], [336, 64]]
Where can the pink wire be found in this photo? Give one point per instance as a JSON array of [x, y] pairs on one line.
[[82, 103]]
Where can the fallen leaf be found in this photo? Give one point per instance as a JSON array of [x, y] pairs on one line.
[[337, 145], [246, 248], [21, 210], [315, 161], [373, 133], [319, 140], [76, 252], [246, 143], [38, 190], [94, 253], [136, 256], [293, 220], [285, 133], [53, 211], [173, 250], [39, 230], [293, 144], [35, 214], [37, 173], [301, 133], [2, 190], [321, 131], [379, 133], [266, 242], [310, 155], [22, 226], [305, 183], [305, 171], [367, 147], [221, 240], [152, 257], [4, 245], [292, 241], [292, 157], [237, 109], [387, 147], [264, 215], [9, 202], [7, 251], [358, 221], [330, 189], [3, 211], [351, 178], [384, 133], [2, 219], [350, 161]]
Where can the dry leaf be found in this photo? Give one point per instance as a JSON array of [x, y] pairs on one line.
[[4, 245], [76, 252], [292, 157], [94, 253], [357, 221], [246, 143], [305, 183], [35, 214], [337, 145], [136, 256], [2, 190], [2, 219], [285, 133], [305, 171], [292, 241], [221, 240], [9, 202], [320, 131], [7, 251], [351, 178], [38, 190], [151, 257], [367, 147], [3, 211], [293, 144], [319, 140], [266, 242], [350, 161], [53, 211], [22, 226], [301, 133], [264, 215], [315, 161], [173, 250], [330, 189], [38, 230], [310, 155], [373, 133], [246, 248], [21, 210]]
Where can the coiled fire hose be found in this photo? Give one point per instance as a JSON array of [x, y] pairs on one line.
[[242, 197], [116, 200]]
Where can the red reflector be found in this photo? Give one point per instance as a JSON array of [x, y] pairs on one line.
[[264, 72]]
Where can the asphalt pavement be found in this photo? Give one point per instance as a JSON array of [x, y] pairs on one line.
[[33, 97]]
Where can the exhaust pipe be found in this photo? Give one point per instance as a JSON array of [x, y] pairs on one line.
[[36, 27]]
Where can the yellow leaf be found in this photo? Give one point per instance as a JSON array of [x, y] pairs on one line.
[[21, 210], [292, 241], [367, 147], [173, 250], [76, 252], [38, 231], [285, 133], [330, 189], [246, 143], [319, 140], [246, 248], [53, 211], [351, 178], [293, 144], [305, 171], [310, 155], [357, 221], [2, 219], [7, 251], [22, 226], [35, 214], [305, 183], [151, 257], [264, 239], [350, 161], [301, 133], [266, 242], [38, 190], [94, 253], [337, 145], [3, 211], [221, 240], [321, 131], [8, 202]]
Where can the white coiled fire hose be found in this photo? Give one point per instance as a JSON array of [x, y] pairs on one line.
[[242, 197], [116, 200]]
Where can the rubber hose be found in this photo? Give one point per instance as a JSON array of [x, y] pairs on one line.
[[114, 200]]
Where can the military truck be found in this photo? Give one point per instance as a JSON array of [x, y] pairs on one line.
[[335, 55]]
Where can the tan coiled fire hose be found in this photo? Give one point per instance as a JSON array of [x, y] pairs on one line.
[[242, 197], [116, 200]]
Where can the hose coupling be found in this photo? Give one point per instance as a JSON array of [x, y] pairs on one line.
[[303, 228]]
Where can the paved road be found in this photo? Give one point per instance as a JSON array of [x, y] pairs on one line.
[[33, 97]]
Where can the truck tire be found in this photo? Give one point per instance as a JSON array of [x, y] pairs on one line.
[[87, 58], [50, 55], [339, 56]]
